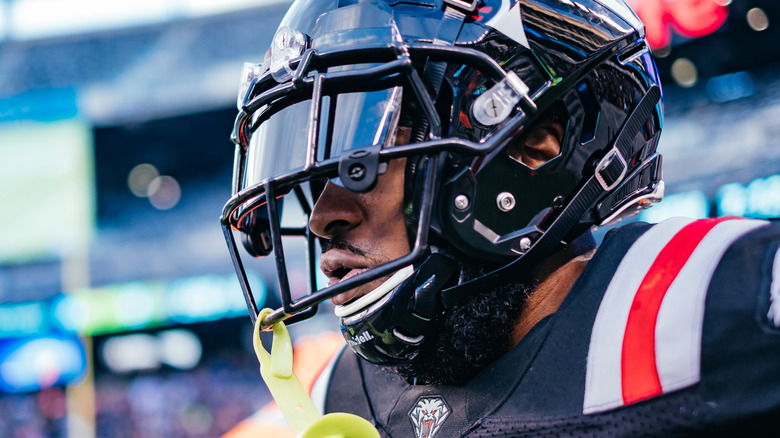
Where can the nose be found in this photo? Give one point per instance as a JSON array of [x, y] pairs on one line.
[[337, 210]]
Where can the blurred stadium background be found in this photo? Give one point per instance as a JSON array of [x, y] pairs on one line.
[[119, 312]]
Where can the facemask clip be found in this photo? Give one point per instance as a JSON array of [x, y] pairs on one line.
[[287, 46], [496, 104], [358, 171]]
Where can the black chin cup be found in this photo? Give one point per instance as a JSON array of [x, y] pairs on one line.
[[392, 330]]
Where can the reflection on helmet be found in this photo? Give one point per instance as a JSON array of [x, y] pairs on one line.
[[468, 79]]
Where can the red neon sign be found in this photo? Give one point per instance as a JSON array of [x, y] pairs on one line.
[[691, 18]]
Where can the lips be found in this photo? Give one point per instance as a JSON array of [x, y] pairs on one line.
[[345, 274], [338, 266]]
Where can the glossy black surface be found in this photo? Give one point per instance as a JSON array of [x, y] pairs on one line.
[[583, 61]]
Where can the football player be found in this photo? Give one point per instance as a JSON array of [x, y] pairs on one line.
[[451, 158]]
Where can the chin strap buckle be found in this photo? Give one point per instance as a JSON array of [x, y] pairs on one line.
[[611, 169]]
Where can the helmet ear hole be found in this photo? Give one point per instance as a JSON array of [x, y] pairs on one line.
[[543, 140], [256, 235]]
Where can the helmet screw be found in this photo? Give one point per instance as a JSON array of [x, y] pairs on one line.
[[357, 172], [525, 244], [505, 201], [461, 202]]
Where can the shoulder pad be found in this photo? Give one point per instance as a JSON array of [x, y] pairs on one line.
[[646, 339]]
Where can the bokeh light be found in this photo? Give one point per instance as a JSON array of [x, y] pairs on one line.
[[757, 19], [140, 177], [685, 73], [164, 192]]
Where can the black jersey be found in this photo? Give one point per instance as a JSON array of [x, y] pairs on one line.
[[672, 329]]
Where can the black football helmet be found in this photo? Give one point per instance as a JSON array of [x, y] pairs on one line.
[[468, 77]]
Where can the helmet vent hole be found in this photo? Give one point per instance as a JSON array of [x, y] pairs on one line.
[[591, 110]]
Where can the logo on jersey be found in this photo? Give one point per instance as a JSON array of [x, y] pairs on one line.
[[428, 415]]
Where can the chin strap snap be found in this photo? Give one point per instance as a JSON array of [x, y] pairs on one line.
[[298, 409]]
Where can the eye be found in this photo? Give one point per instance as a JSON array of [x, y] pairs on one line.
[[538, 146]]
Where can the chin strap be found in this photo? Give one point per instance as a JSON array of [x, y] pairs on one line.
[[296, 406]]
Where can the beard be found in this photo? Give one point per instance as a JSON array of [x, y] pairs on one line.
[[473, 334]]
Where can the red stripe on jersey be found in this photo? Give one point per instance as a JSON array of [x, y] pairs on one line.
[[638, 363]]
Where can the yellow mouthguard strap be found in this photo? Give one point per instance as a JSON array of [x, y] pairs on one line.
[[298, 409]]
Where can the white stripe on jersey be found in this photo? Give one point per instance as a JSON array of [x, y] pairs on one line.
[[774, 293], [603, 389], [679, 321]]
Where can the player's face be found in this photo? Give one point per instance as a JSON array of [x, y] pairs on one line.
[[364, 230]]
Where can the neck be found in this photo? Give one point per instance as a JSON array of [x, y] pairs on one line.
[[557, 276]]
